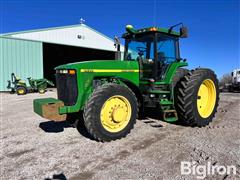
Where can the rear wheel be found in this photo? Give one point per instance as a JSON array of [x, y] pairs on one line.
[[197, 97], [41, 91], [21, 90], [180, 73], [111, 112]]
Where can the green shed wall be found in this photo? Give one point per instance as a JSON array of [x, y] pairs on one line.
[[24, 58]]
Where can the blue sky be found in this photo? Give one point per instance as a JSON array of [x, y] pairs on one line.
[[213, 25]]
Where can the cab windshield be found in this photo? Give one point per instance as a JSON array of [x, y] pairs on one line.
[[154, 52], [143, 48], [140, 48]]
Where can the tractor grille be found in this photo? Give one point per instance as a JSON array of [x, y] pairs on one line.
[[67, 88]]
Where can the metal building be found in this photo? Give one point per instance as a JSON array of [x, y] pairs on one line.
[[35, 53]]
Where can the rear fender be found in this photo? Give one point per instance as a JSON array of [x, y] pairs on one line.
[[171, 71]]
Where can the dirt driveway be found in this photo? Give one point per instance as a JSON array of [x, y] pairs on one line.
[[33, 148]]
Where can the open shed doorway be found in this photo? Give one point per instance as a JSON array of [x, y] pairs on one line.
[[55, 55]]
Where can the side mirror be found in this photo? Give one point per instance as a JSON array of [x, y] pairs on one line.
[[117, 43], [184, 32]]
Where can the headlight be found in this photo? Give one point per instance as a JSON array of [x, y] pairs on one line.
[[66, 71]]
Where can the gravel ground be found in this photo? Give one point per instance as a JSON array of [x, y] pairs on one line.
[[33, 148]]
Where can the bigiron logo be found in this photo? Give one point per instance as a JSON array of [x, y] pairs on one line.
[[201, 171]]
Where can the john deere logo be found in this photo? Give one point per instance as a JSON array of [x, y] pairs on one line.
[[87, 70], [108, 70]]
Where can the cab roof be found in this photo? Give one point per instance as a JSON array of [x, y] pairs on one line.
[[130, 31]]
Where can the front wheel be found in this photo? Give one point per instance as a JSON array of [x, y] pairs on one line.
[[197, 97], [111, 112], [21, 90]]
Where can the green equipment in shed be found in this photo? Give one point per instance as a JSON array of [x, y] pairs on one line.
[[112, 94], [20, 87]]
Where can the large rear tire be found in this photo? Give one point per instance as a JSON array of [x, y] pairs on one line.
[[180, 73], [197, 97], [111, 112]]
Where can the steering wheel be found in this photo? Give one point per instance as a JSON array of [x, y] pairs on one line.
[[141, 49]]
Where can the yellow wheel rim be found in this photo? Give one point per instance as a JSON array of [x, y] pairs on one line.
[[41, 91], [20, 91], [206, 98], [115, 113]]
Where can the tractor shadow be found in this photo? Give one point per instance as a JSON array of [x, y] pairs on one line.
[[54, 127], [74, 120], [151, 116], [154, 118]]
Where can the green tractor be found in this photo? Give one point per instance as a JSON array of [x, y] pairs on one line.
[[112, 93], [17, 85]]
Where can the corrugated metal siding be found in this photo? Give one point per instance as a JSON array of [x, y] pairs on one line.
[[24, 58]]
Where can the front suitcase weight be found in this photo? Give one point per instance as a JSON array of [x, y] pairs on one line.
[[49, 108]]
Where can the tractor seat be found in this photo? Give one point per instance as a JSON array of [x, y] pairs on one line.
[[21, 81], [162, 64]]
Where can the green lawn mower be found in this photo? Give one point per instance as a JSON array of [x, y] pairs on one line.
[[20, 87]]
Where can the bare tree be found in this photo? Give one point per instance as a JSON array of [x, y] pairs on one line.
[[225, 79]]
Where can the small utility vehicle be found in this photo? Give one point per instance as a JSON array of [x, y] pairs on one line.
[[20, 87]]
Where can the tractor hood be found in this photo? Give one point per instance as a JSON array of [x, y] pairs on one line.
[[74, 87], [102, 66]]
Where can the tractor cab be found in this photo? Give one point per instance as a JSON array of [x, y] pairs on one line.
[[157, 52], [155, 49]]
